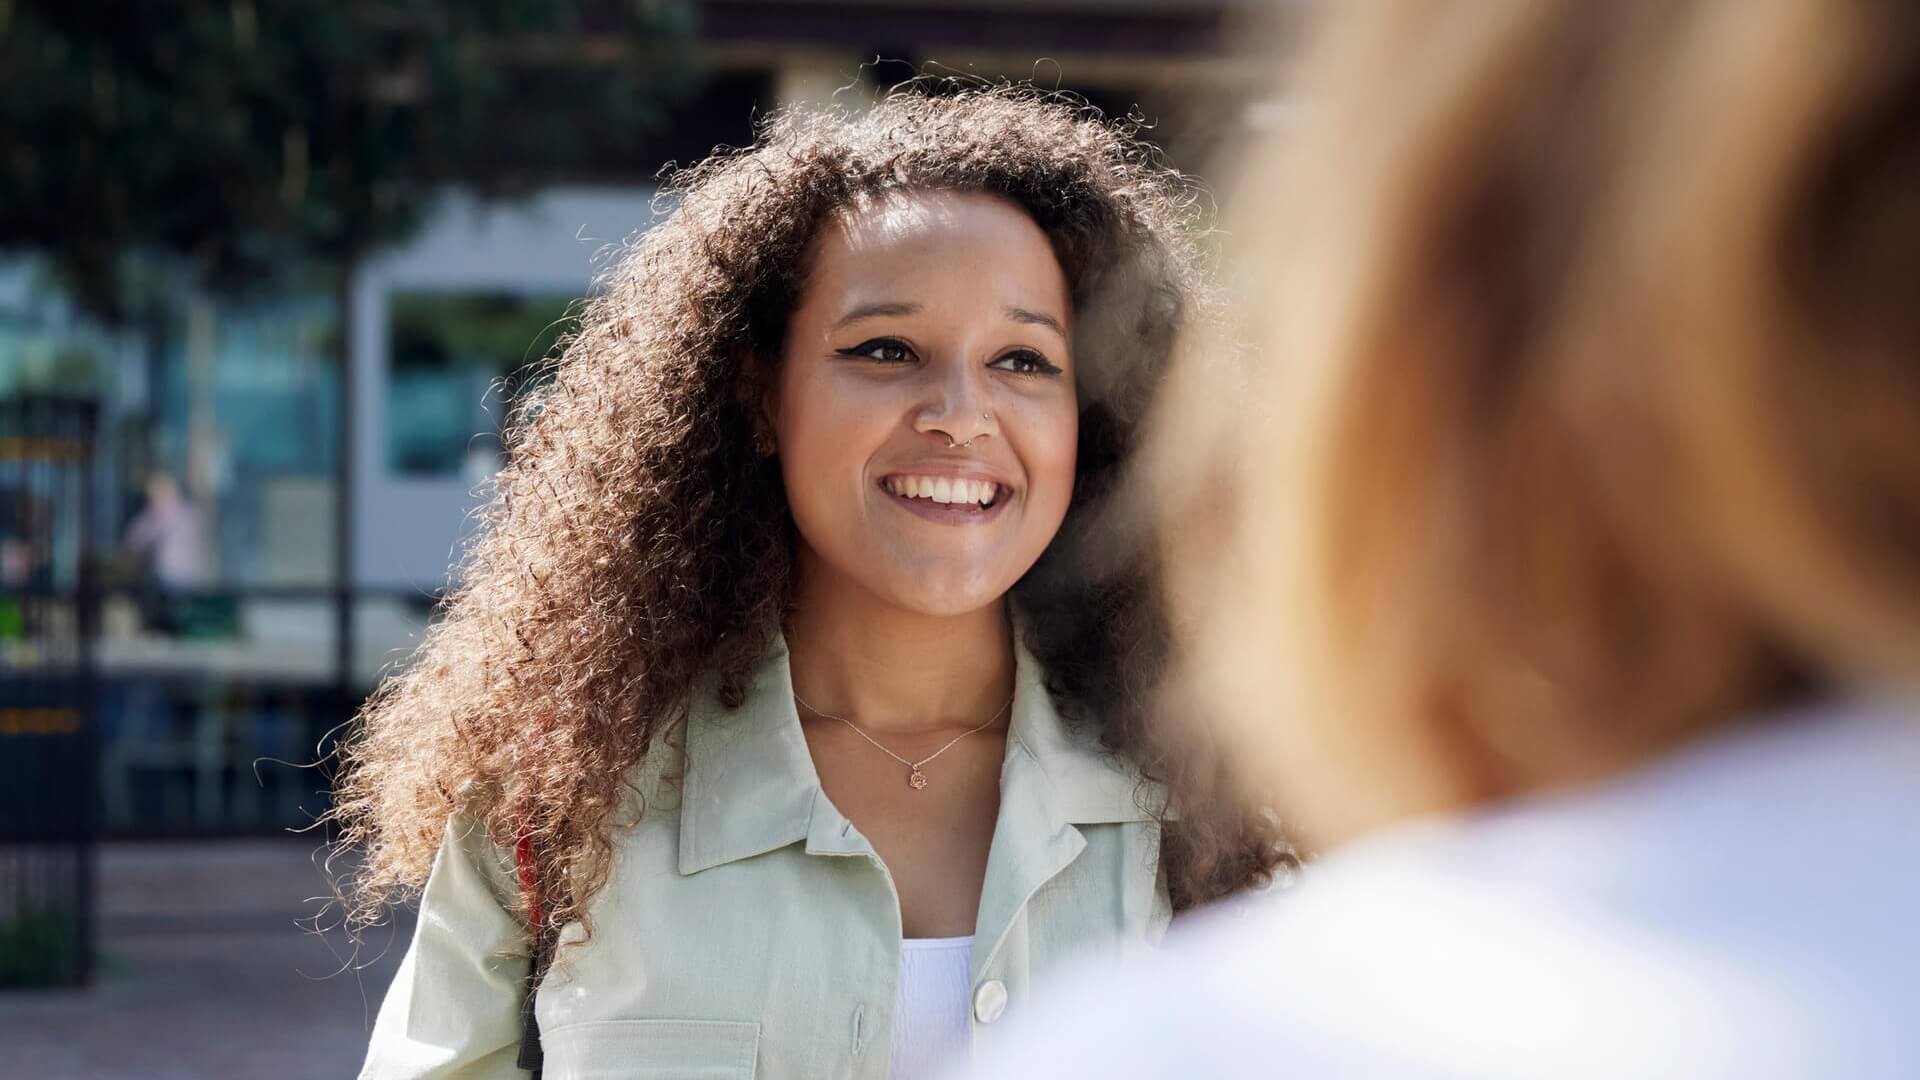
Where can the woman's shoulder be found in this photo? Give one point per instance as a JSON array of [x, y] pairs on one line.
[[1737, 908], [1389, 967]]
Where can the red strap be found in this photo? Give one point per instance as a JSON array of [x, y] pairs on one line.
[[523, 862], [531, 1057], [529, 876]]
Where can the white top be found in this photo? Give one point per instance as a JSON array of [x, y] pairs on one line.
[[930, 1030], [1749, 907], [171, 531]]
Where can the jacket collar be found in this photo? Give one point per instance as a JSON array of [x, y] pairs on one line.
[[750, 785]]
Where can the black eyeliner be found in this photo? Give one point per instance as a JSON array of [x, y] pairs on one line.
[[1046, 366]]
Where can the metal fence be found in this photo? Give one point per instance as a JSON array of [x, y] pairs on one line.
[[48, 749]]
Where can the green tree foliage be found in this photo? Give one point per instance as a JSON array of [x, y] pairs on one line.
[[245, 135]]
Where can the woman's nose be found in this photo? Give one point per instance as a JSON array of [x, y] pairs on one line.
[[957, 409]]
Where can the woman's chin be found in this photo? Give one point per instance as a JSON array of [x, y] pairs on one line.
[[939, 596]]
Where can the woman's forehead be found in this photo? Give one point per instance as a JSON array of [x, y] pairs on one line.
[[896, 241], [904, 216]]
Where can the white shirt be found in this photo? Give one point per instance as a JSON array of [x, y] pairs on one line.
[[171, 530], [930, 1029], [1749, 907]]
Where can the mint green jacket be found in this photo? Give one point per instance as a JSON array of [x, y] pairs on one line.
[[749, 930]]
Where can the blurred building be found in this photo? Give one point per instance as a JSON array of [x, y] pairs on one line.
[[232, 629]]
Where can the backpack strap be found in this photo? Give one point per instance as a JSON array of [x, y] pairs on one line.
[[532, 1057]]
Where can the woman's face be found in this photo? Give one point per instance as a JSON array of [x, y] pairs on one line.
[[925, 411]]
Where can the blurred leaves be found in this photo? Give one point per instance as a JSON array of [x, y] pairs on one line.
[[40, 946], [244, 135]]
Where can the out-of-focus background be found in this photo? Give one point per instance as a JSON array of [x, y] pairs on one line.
[[267, 270]]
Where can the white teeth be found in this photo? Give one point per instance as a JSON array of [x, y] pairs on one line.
[[945, 490]]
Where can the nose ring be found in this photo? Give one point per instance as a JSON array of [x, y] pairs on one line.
[[951, 445]]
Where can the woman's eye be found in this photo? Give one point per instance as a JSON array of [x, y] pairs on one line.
[[885, 350], [1026, 362]]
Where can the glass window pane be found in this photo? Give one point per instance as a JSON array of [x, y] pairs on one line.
[[453, 366]]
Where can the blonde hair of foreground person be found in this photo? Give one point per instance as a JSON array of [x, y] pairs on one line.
[[1588, 418]]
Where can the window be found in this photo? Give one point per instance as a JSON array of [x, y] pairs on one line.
[[455, 363]]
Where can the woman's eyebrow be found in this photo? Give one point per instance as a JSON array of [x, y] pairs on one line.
[[871, 311], [1037, 318], [902, 307]]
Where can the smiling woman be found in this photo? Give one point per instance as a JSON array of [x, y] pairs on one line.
[[794, 716], [928, 369]]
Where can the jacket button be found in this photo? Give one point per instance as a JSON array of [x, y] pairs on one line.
[[990, 1001]]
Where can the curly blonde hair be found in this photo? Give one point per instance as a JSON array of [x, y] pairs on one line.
[[637, 543], [1591, 415]]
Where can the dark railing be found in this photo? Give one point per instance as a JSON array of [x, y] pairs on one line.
[[129, 712], [48, 734], [209, 720]]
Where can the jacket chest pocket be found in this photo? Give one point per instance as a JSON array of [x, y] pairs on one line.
[[610, 1049]]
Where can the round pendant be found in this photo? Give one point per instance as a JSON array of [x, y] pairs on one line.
[[918, 780]]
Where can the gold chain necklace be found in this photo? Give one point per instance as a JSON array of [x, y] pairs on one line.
[[916, 779]]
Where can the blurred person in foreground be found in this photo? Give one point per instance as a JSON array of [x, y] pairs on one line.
[[1572, 598], [790, 718]]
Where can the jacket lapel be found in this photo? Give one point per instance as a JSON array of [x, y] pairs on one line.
[[750, 784], [1052, 781]]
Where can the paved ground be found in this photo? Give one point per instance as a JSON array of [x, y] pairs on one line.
[[209, 970]]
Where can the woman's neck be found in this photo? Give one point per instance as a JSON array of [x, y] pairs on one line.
[[889, 670]]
